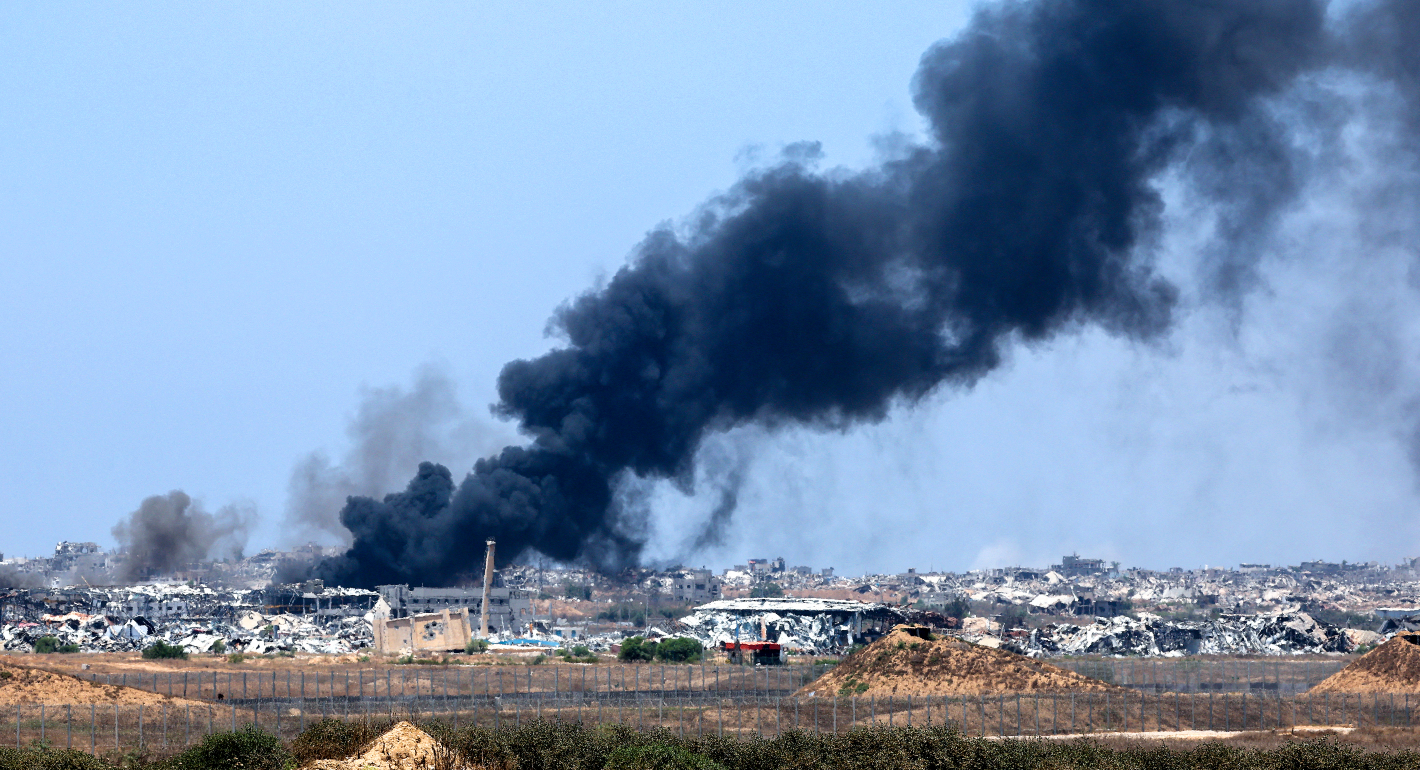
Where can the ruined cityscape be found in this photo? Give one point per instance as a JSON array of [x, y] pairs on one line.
[[560, 349], [1078, 607]]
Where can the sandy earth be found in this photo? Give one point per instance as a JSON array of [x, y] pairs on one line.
[[1393, 667], [404, 747], [24, 685], [901, 664]]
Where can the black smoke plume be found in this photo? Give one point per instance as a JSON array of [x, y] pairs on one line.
[[392, 430], [170, 531], [826, 298]]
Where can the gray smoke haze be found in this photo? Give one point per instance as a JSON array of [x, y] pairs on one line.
[[172, 530], [1061, 134], [390, 433], [11, 577]]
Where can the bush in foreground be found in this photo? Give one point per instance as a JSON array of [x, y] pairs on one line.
[[335, 739], [161, 650], [542, 744], [41, 758], [637, 649], [246, 749], [681, 649]]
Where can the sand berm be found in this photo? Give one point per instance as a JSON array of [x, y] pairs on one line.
[[904, 663]]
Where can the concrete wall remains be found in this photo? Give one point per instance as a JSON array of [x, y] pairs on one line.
[[432, 632]]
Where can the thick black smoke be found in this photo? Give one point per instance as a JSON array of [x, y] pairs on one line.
[[392, 431], [170, 531], [824, 299]]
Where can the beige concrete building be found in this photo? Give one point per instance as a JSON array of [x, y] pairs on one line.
[[431, 632]]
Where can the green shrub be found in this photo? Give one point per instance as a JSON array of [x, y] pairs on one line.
[[68, 649], [637, 649], [218, 647], [475, 646], [237, 657], [45, 758], [162, 650], [335, 739], [767, 591], [679, 650], [247, 749], [46, 644], [659, 757]]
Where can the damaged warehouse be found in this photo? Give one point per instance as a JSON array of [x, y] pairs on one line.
[[815, 626], [195, 618]]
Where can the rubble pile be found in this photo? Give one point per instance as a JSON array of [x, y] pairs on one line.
[[809, 626], [906, 662], [252, 633], [1392, 667], [195, 618], [1152, 636]]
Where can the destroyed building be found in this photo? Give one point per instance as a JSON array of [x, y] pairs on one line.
[[1153, 636], [815, 626], [443, 631], [509, 609], [695, 585]]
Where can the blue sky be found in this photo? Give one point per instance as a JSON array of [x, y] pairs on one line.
[[221, 221]]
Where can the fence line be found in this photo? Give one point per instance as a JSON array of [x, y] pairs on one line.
[[1207, 674], [167, 728], [466, 680], [1182, 675]]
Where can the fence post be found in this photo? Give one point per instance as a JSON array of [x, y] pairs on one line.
[[94, 729]]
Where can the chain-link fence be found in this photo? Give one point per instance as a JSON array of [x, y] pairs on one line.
[[1183, 675], [459, 681], [167, 728]]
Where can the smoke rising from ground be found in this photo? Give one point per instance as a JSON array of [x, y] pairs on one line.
[[172, 530], [391, 432], [825, 299]]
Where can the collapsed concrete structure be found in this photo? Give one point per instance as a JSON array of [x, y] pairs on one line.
[[444, 631], [814, 626], [193, 617], [510, 610], [1153, 636]]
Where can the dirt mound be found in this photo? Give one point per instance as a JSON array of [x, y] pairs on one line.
[[404, 747], [24, 685], [1391, 667], [904, 663]]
